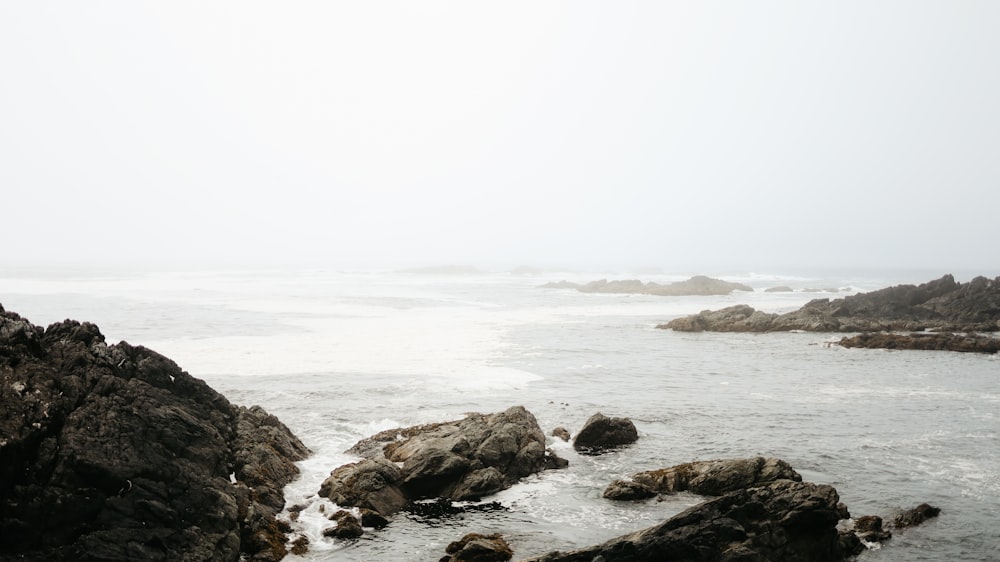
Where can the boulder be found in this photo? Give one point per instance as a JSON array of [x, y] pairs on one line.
[[113, 452], [716, 477], [561, 433], [781, 520], [475, 547], [458, 460], [942, 305], [370, 483], [601, 432], [869, 529], [627, 490]]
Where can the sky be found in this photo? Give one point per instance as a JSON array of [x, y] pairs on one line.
[[553, 134]]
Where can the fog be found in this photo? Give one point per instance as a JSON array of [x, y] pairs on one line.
[[553, 134]]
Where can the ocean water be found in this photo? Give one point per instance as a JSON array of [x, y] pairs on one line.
[[341, 355]]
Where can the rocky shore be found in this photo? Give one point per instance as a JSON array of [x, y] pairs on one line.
[[697, 285], [943, 305], [112, 452]]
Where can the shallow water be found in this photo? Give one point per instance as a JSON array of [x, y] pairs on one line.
[[339, 356]]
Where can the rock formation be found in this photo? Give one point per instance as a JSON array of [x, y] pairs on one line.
[[475, 547], [971, 343], [697, 285], [601, 432], [941, 306], [781, 520], [112, 452], [708, 478], [459, 460]]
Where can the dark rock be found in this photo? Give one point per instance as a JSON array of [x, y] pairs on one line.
[[561, 433], [300, 545], [370, 483], [971, 343], [443, 507], [372, 519], [554, 461], [601, 432], [782, 520], [915, 516], [475, 547], [348, 527], [627, 490], [941, 306], [465, 459], [869, 529], [716, 477], [115, 452]]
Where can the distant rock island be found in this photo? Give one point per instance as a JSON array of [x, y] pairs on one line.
[[697, 285], [942, 305], [940, 314]]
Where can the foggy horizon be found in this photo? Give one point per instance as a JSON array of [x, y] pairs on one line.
[[576, 135]]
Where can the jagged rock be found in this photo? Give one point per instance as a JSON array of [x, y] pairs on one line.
[[372, 519], [782, 520], [600, 432], [459, 460], [915, 516], [115, 453], [369, 483], [348, 527], [475, 547], [942, 305], [970, 343], [554, 461]]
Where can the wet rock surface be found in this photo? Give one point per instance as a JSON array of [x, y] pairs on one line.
[[475, 547], [113, 452], [464, 459]]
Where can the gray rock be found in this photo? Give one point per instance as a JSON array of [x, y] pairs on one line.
[[371, 483], [716, 477], [474, 547]]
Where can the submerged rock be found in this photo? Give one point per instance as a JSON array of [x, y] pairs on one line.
[[112, 452], [459, 460], [942, 305], [600, 432], [915, 516], [782, 520], [708, 478]]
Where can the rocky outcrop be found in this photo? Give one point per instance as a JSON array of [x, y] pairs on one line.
[[460, 460], [940, 306], [969, 343], [475, 547], [112, 452], [707, 478], [698, 285], [782, 520], [915, 516], [600, 433]]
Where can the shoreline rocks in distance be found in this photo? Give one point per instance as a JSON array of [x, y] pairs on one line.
[[942, 305], [698, 285], [113, 452], [928, 341]]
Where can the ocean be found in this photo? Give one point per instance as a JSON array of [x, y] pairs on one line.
[[338, 356]]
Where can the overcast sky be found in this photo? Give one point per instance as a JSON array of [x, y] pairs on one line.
[[668, 134]]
